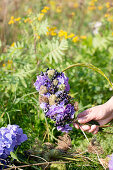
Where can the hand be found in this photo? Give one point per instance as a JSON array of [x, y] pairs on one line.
[[101, 113]]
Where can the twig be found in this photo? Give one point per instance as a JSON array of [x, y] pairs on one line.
[[37, 164], [92, 147]]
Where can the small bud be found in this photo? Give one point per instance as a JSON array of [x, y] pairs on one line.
[[76, 106], [55, 82], [51, 73], [43, 90], [61, 87], [43, 99], [52, 99]]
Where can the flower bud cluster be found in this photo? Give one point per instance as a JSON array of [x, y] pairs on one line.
[[54, 98], [10, 138]]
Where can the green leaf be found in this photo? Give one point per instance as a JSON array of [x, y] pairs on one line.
[[14, 156]]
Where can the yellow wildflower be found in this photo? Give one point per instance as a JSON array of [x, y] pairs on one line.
[[100, 7], [53, 5], [3, 65], [72, 14], [27, 20], [83, 37], [47, 33], [40, 16], [58, 9], [10, 61], [91, 8], [53, 33], [91, 3], [107, 4], [46, 7], [37, 36], [12, 17], [17, 19], [76, 5], [75, 39], [71, 35], [110, 19], [51, 29], [44, 11], [11, 22], [106, 15], [13, 44], [112, 33], [62, 33]]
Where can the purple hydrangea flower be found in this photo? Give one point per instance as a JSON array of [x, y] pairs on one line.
[[53, 88], [10, 137], [55, 110], [42, 80], [64, 80], [111, 162], [65, 128]]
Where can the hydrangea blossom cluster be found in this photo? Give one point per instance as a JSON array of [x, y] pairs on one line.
[[111, 162], [10, 138], [54, 98]]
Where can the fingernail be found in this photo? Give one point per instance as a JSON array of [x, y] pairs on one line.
[[80, 120]]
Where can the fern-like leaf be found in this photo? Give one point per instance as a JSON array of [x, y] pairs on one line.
[[56, 50]]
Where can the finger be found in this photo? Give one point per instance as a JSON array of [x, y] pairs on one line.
[[76, 125], [85, 116], [82, 114], [93, 128], [96, 131], [85, 119], [85, 127]]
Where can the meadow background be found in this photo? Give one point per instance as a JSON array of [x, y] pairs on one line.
[[35, 35]]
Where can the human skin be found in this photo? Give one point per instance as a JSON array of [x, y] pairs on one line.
[[101, 113]]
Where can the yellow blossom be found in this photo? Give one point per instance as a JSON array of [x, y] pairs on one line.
[[51, 29], [11, 22], [13, 44], [75, 39], [58, 9], [12, 17], [100, 7], [53, 5], [40, 16], [106, 15], [10, 61], [3, 65], [17, 19], [83, 37], [112, 33], [71, 35], [27, 20], [62, 33], [107, 4], [72, 14], [44, 11], [37, 36], [91, 8], [76, 5], [110, 19], [91, 3], [47, 33], [46, 7], [53, 33]]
